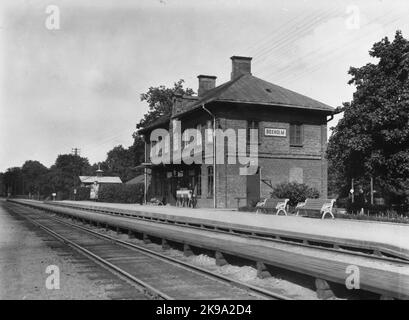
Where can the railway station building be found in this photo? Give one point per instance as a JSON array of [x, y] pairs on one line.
[[292, 139]]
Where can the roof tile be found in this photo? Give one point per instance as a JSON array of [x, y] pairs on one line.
[[250, 89]]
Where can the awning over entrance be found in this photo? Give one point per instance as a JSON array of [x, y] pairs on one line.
[[144, 165]]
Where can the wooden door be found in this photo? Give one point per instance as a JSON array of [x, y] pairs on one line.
[[253, 188]]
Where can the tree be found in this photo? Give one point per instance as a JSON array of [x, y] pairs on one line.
[[33, 174], [64, 174], [159, 100], [121, 162], [138, 150], [13, 181], [2, 187], [372, 139]]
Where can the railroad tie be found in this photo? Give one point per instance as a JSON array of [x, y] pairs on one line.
[[323, 289], [187, 250], [146, 239], [220, 259], [165, 245], [262, 271]]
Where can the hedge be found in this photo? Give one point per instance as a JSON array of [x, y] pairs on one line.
[[83, 193], [296, 192], [121, 193]]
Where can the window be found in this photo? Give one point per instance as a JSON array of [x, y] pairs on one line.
[[210, 181], [195, 180], [209, 131], [296, 135], [251, 124], [184, 142], [153, 182], [199, 182], [199, 135], [167, 144], [159, 151]]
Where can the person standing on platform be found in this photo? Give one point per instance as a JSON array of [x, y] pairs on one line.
[[194, 196], [360, 201]]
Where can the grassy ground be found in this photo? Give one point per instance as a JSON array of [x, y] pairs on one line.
[[383, 217]]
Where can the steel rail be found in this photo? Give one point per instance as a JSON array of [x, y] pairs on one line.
[[154, 292], [155, 254], [148, 288]]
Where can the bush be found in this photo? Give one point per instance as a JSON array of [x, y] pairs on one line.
[[343, 203], [121, 193], [296, 192], [387, 217], [62, 195], [83, 193]]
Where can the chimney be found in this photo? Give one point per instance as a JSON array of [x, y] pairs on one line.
[[205, 84], [240, 65]]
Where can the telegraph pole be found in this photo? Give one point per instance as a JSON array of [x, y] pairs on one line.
[[76, 152]]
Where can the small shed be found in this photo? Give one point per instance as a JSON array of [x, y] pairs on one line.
[[94, 182]]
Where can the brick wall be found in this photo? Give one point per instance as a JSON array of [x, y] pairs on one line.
[[279, 162]]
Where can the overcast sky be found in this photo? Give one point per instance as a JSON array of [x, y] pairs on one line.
[[80, 86]]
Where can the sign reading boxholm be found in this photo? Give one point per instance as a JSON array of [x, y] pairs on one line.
[[275, 132]]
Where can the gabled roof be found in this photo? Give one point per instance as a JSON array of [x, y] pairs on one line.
[[162, 120], [92, 179], [249, 89]]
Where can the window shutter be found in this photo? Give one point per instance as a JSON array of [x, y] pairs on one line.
[[292, 134]]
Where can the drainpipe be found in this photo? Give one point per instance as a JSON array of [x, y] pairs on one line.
[[145, 171], [214, 154]]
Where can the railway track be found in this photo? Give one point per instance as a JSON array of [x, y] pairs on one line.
[[373, 253], [159, 276]]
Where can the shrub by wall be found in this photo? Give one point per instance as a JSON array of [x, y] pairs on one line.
[[121, 193], [296, 192], [83, 193]]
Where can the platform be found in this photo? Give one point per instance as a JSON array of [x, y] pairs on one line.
[[389, 279], [389, 236]]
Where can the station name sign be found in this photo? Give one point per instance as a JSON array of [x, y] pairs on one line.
[[275, 132]]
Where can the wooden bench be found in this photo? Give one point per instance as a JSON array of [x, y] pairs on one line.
[[323, 206], [272, 203]]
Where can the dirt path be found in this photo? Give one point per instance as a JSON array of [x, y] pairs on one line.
[[25, 254]]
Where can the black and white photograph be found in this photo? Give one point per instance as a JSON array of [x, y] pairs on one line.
[[212, 152]]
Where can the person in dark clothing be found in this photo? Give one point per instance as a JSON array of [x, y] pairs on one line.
[[360, 200]]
